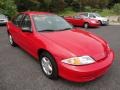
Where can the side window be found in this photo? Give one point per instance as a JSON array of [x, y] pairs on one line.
[[77, 17], [86, 14], [18, 19], [91, 15], [26, 22]]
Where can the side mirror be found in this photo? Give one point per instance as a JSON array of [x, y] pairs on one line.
[[26, 29]]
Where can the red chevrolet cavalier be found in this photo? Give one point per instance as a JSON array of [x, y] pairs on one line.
[[82, 21], [62, 50]]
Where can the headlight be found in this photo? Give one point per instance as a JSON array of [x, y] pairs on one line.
[[83, 60], [93, 21]]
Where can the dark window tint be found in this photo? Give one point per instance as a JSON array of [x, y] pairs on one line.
[[18, 19], [91, 15], [84, 14], [26, 22]]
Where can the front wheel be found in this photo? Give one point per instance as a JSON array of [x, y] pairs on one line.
[[11, 41], [48, 65], [86, 25]]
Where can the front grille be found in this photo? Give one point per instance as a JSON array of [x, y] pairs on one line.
[[1, 20]]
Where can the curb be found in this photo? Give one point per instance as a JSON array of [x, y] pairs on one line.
[[114, 23]]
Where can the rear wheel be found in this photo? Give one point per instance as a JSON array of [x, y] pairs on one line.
[[48, 65], [86, 25], [11, 41]]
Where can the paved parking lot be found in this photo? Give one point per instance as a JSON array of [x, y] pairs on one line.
[[20, 71]]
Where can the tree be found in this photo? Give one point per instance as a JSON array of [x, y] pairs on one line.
[[116, 8], [8, 7], [24, 5]]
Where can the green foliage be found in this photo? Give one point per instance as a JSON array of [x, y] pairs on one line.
[[88, 9], [76, 6], [67, 12], [24, 5], [116, 8], [59, 5], [106, 12], [68, 2], [8, 7], [63, 7]]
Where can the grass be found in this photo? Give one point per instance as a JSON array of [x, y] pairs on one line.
[[70, 12], [107, 12], [67, 12]]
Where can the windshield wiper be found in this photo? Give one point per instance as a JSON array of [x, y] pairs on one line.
[[47, 30], [50, 30], [67, 28]]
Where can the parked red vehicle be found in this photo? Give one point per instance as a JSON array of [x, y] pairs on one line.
[[62, 50], [82, 21]]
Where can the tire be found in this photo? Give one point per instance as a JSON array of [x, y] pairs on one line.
[[11, 41], [48, 65], [86, 25]]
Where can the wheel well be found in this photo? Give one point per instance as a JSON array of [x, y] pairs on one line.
[[100, 21], [42, 50], [86, 22]]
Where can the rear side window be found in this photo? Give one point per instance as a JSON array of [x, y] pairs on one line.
[[26, 22], [91, 15], [84, 14], [17, 20]]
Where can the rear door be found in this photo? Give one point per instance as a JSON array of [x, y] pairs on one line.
[[14, 27], [78, 20]]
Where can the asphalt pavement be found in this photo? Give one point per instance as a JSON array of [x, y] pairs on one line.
[[20, 71]]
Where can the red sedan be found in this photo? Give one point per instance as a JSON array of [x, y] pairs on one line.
[[62, 50], [82, 21]]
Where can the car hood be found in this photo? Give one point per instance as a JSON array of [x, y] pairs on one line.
[[102, 18], [79, 42]]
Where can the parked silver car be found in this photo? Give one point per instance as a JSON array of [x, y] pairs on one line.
[[3, 19], [102, 20]]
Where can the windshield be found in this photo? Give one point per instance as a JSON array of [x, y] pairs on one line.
[[2, 16], [97, 15], [50, 23]]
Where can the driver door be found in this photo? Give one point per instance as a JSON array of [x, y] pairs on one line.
[[78, 21], [26, 35]]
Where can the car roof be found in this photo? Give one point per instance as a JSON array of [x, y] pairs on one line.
[[35, 12]]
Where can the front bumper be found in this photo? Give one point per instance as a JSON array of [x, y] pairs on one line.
[[3, 21], [105, 22], [87, 72]]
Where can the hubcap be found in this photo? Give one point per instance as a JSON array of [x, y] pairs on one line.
[[10, 39], [47, 66], [86, 25]]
